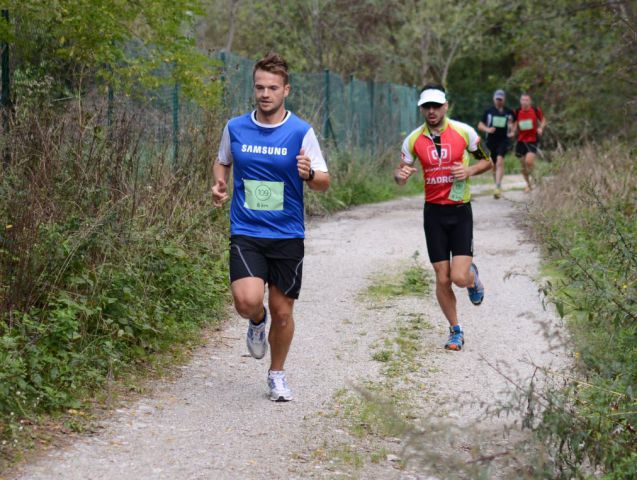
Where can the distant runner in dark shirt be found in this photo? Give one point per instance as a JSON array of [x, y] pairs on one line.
[[497, 123]]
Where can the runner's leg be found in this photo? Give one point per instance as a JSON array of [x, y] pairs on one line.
[[248, 296], [493, 155], [444, 293], [521, 151], [461, 275], [529, 162], [525, 173], [499, 171], [282, 327], [248, 272]]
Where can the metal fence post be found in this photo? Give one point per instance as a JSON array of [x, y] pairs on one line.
[[109, 112], [224, 90], [5, 96], [372, 119], [351, 120], [326, 103], [175, 124]]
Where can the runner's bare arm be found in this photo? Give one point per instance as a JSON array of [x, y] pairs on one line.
[[483, 164], [220, 173], [462, 172], [542, 124], [403, 172], [320, 181], [483, 128]]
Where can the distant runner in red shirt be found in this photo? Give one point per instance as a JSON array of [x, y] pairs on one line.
[[530, 123]]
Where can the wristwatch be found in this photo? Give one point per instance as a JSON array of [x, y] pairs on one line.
[[310, 176]]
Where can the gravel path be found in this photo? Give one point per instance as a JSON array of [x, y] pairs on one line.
[[214, 420]]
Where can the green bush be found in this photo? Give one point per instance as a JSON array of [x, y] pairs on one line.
[[121, 312], [108, 260], [585, 221]]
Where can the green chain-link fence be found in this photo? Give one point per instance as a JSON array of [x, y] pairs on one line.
[[346, 112]]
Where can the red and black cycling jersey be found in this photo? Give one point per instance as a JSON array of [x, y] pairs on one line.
[[438, 153]]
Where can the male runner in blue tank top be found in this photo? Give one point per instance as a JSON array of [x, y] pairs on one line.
[[274, 153]]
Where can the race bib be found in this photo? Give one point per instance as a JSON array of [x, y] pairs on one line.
[[457, 190], [526, 124], [262, 195], [499, 122]]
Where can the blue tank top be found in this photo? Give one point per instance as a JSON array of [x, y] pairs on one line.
[[267, 200]]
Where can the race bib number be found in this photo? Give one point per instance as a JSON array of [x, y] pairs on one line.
[[262, 195], [526, 124], [457, 190], [499, 122]]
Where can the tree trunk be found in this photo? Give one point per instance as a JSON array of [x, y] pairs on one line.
[[425, 66], [233, 24]]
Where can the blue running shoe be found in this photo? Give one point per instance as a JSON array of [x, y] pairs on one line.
[[255, 339], [456, 338], [476, 293]]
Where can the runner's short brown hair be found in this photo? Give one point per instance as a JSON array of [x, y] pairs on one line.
[[273, 63]]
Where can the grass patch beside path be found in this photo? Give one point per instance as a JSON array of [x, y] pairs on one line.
[[414, 280], [359, 177], [378, 412]]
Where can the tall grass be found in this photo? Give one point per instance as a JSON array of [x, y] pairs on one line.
[[359, 177], [585, 222], [106, 258]]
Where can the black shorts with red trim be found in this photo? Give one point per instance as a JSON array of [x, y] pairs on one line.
[[448, 230], [276, 261]]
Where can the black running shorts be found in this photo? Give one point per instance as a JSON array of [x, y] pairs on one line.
[[498, 149], [522, 148], [448, 230], [277, 261]]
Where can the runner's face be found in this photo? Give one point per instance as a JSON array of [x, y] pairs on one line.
[[498, 102], [525, 102], [270, 92], [434, 113]]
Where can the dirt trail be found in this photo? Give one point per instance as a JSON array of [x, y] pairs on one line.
[[214, 420]]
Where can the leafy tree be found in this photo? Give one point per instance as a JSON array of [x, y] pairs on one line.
[[347, 37], [573, 57], [580, 59], [120, 42]]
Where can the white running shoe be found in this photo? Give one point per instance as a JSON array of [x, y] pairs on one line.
[[255, 339], [279, 390]]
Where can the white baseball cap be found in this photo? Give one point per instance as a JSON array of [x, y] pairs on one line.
[[432, 95]]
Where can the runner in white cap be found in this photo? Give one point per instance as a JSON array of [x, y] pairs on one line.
[[443, 146]]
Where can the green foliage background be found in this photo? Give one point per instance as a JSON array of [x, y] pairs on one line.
[[123, 44], [586, 226], [575, 58], [111, 257]]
